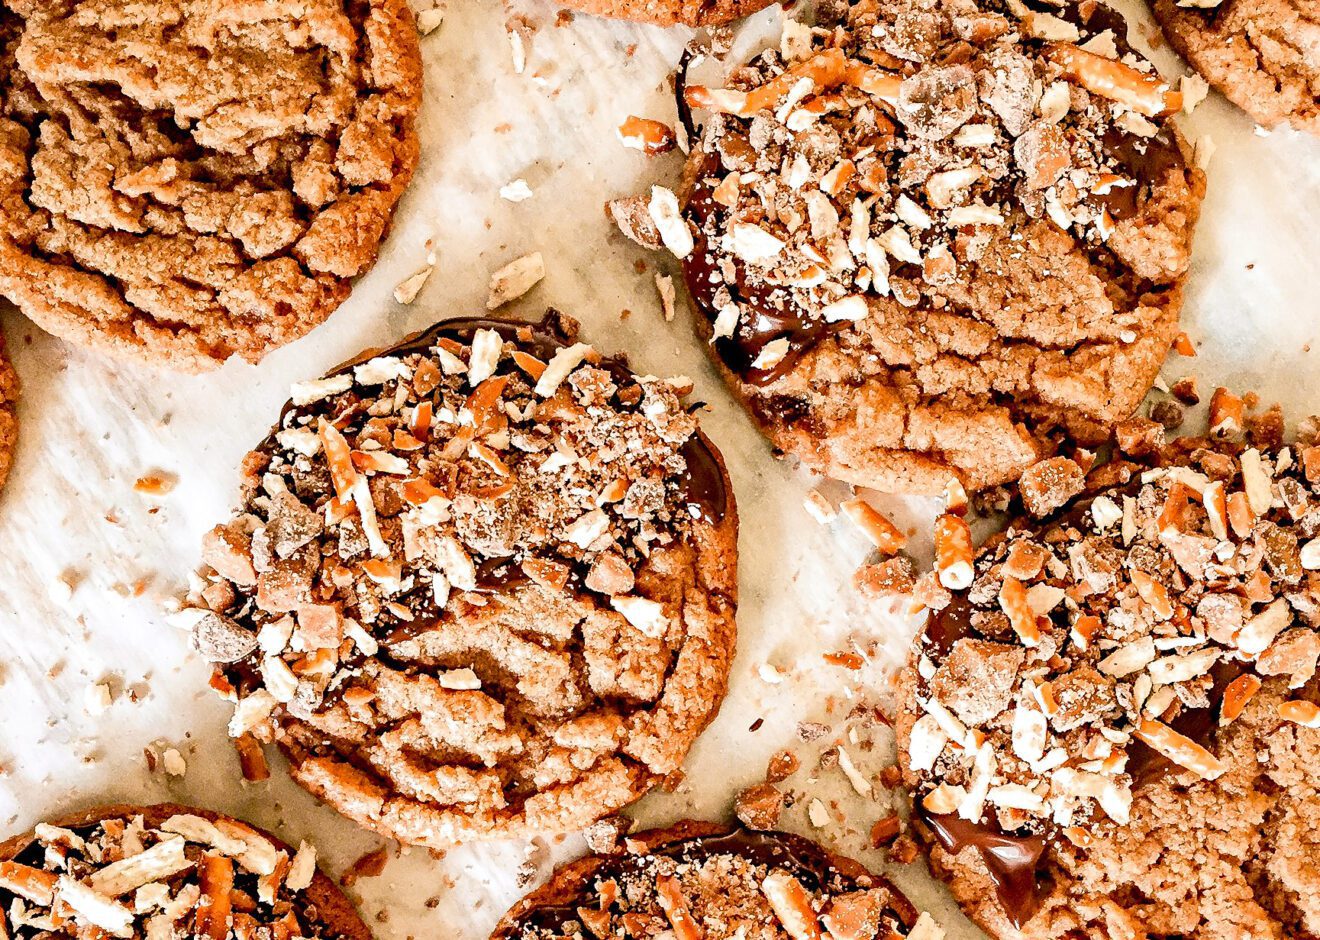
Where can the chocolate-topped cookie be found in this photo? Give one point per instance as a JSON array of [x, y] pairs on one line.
[[8, 412], [927, 241], [165, 871], [185, 182], [479, 585], [701, 880], [695, 13], [1263, 55], [1114, 731]]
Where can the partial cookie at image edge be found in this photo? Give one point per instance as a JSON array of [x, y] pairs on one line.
[[1217, 839], [185, 273], [568, 887], [332, 908], [1243, 49]]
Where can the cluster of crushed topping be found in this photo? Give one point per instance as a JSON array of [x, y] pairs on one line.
[[741, 886], [883, 156], [1108, 645], [467, 565], [188, 876]]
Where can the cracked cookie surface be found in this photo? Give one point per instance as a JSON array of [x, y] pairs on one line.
[[1115, 731], [1263, 55], [162, 871], [480, 586], [182, 182], [931, 241], [704, 880]]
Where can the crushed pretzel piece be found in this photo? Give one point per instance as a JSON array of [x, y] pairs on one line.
[[1180, 749], [884, 535]]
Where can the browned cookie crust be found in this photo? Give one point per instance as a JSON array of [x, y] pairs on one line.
[[1115, 732], [185, 182], [8, 412], [695, 13], [1263, 55], [166, 871], [481, 585], [704, 880], [926, 244]]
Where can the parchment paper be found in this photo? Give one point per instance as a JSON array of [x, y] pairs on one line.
[[90, 428]]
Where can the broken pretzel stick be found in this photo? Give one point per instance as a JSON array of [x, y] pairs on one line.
[[824, 70], [1146, 94]]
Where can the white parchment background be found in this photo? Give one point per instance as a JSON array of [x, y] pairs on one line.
[[90, 428]]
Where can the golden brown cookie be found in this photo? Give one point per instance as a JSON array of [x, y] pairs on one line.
[[1114, 731], [704, 880], [480, 585], [8, 412], [185, 182], [164, 871], [695, 13], [935, 239], [1263, 55]]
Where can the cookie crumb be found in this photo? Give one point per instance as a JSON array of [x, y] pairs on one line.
[[759, 806]]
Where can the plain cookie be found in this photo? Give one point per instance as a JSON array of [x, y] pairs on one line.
[[165, 871], [705, 880], [480, 585], [1114, 732], [1263, 55], [936, 239], [185, 182]]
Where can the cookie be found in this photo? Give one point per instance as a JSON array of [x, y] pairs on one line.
[[162, 871], [928, 241], [1262, 55], [8, 412], [694, 13], [1114, 731], [183, 182], [700, 880], [481, 585]]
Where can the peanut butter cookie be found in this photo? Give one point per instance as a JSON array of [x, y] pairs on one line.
[[1263, 55], [8, 412], [1114, 731], [704, 880], [927, 241], [185, 182], [694, 13], [166, 871], [481, 585]]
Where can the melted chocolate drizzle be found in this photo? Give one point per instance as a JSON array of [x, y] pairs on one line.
[[800, 857]]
